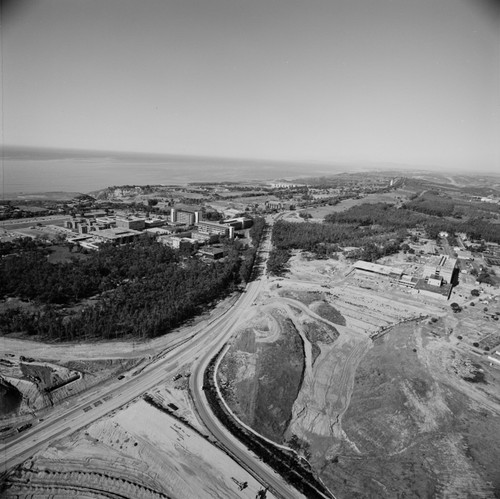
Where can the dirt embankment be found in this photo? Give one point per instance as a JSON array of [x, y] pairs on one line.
[[139, 453], [262, 374], [41, 384]]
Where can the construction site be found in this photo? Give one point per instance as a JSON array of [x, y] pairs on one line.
[[395, 392]]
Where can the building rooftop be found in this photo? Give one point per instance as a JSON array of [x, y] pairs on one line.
[[378, 269], [116, 233], [443, 290], [447, 262]]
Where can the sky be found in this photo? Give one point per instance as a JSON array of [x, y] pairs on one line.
[[380, 81]]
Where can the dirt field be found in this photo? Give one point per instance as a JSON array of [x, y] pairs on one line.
[[159, 457], [414, 424]]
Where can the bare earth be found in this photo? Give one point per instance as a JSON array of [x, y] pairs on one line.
[[387, 406], [139, 452]]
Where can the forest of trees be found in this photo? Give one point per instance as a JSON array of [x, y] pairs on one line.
[[143, 289], [392, 218], [439, 204], [377, 229]]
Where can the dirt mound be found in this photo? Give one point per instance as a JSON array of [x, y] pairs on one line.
[[318, 333], [260, 379], [328, 312]]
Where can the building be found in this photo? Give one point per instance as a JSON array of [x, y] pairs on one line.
[[375, 268], [434, 289], [131, 223], [205, 227], [117, 235], [205, 238], [180, 243], [283, 185], [212, 253], [239, 223], [154, 222], [186, 216], [158, 231], [274, 205], [440, 270]]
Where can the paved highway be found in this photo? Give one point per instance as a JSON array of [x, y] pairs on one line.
[[96, 403]]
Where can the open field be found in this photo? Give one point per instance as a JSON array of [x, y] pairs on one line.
[[393, 197]]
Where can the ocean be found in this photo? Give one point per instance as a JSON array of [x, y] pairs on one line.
[[86, 174]]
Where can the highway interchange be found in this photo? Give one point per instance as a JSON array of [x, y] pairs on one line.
[[199, 348]]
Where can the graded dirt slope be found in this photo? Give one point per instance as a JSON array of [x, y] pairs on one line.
[[411, 428], [140, 453], [262, 373]]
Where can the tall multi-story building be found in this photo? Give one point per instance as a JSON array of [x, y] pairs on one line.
[[184, 216]]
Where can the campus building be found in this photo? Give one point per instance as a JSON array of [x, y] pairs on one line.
[[184, 216], [205, 227], [132, 223], [375, 268], [440, 270], [116, 235]]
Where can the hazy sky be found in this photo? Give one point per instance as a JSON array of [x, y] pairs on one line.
[[413, 81]]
